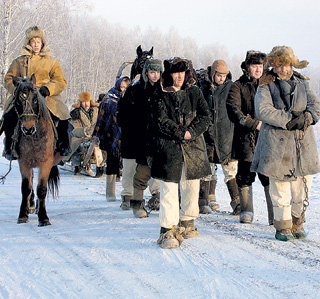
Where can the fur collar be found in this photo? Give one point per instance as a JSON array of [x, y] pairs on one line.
[[270, 77]]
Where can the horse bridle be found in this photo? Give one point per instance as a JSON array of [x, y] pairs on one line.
[[24, 97]]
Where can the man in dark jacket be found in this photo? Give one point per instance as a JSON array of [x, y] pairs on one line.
[[240, 108], [286, 151], [180, 157], [215, 88]]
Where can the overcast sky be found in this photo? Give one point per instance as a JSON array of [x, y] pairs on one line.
[[240, 25]]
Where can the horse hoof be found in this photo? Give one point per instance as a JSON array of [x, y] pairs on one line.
[[44, 223], [32, 210], [23, 220]]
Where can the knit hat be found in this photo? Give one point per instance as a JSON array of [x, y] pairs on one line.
[[219, 66], [282, 56], [151, 64], [254, 57], [85, 97]]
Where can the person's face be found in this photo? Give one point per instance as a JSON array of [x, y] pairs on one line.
[[36, 45], [85, 105], [178, 79], [153, 76], [219, 78], [123, 86], [283, 70], [255, 70]]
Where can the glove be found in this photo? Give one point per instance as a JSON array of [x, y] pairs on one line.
[[44, 91], [299, 121]]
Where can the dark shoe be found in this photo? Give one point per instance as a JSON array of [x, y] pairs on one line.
[[234, 195], [138, 208], [154, 202], [77, 170], [203, 201], [237, 210], [284, 235]]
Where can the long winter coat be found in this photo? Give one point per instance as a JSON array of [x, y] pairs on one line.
[[240, 108], [176, 112], [81, 121], [47, 72], [107, 128], [222, 128], [276, 153]]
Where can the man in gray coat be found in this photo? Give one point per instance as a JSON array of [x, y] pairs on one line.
[[286, 151]]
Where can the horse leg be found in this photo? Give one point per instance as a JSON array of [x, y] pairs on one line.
[[26, 190], [32, 206], [43, 219]]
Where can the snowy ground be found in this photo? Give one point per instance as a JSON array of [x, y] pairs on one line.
[[95, 250]]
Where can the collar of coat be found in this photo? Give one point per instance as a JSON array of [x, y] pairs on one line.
[[270, 77], [27, 51]]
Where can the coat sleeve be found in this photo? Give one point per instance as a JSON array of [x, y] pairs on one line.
[[57, 81], [234, 109], [13, 71], [313, 103], [266, 111], [201, 122]]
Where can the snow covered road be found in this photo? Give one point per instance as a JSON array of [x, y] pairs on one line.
[[95, 250]]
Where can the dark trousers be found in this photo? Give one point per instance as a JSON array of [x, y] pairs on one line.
[[245, 177]]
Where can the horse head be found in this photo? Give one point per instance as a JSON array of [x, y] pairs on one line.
[[139, 62], [27, 103]]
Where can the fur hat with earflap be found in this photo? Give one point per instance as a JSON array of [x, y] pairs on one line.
[[85, 97], [253, 57], [151, 64], [282, 56], [33, 32]]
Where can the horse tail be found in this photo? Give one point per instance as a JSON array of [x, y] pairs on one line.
[[53, 181]]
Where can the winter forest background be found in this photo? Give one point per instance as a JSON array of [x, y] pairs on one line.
[[91, 50]]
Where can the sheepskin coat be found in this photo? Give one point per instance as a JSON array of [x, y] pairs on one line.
[[47, 72], [277, 153]]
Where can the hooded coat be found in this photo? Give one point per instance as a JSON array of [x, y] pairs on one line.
[[47, 72], [221, 133], [177, 112], [240, 108], [277, 153]]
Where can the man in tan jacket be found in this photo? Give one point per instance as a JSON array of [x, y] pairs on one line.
[[35, 60]]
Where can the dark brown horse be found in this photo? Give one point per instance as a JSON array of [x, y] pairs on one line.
[[35, 144], [139, 62]]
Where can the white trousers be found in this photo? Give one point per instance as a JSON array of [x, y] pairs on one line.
[[169, 214], [287, 200], [229, 171]]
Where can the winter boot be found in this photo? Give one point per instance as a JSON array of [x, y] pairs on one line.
[[125, 205], [297, 227], [284, 235], [235, 197], [137, 204], [99, 172], [8, 123], [204, 207], [77, 170], [212, 197], [171, 238], [246, 215], [111, 187], [63, 145], [154, 202], [269, 205], [190, 230]]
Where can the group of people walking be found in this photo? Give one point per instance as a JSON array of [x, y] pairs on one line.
[[171, 128]]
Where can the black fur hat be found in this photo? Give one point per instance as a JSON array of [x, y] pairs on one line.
[[254, 57]]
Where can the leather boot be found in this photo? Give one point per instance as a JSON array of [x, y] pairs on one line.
[[154, 202], [297, 227], [235, 197], [204, 198], [125, 205], [8, 124], [269, 205], [246, 203], [191, 230], [63, 145], [212, 196], [138, 207], [111, 187]]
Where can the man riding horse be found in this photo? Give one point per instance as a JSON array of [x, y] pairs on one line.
[[35, 60]]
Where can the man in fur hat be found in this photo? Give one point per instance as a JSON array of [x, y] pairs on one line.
[[135, 119], [35, 60], [215, 88], [286, 151], [180, 157], [83, 119], [240, 108]]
